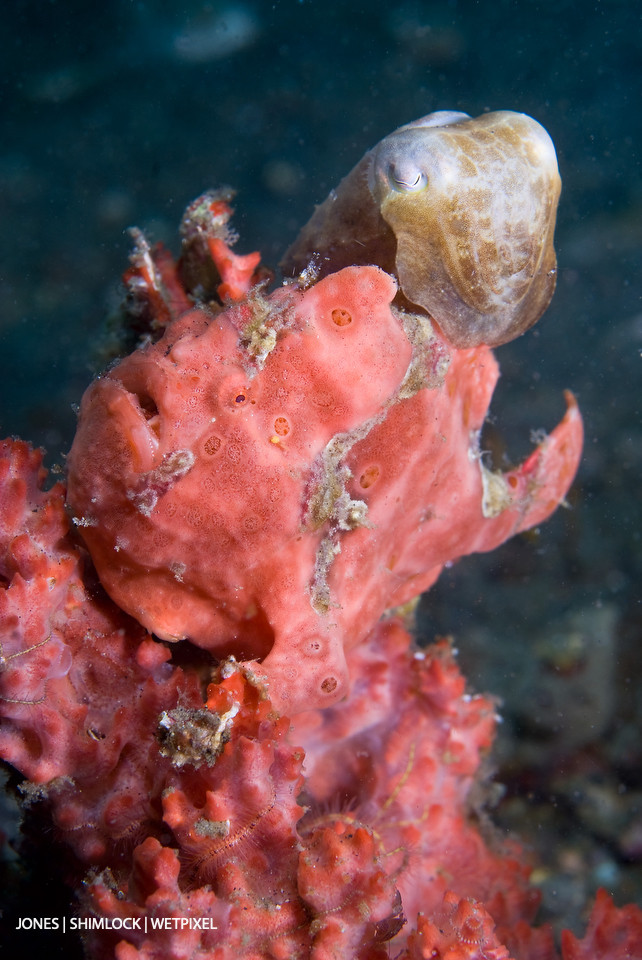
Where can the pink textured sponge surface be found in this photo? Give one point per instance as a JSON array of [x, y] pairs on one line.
[[267, 480]]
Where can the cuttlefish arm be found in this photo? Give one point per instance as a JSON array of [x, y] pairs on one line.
[[462, 211]]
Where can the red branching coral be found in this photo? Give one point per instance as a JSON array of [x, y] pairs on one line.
[[371, 838], [461, 930], [612, 933]]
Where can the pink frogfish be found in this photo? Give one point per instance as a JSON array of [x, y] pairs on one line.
[[276, 470]]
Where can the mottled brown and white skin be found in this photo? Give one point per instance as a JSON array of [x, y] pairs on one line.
[[461, 211]]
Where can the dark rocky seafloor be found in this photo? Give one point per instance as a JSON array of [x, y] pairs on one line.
[[119, 114]]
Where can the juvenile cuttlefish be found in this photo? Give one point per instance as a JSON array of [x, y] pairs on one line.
[[461, 211]]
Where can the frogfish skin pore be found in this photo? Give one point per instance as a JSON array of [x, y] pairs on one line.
[[461, 211]]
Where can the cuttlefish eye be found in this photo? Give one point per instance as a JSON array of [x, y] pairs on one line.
[[406, 178]]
